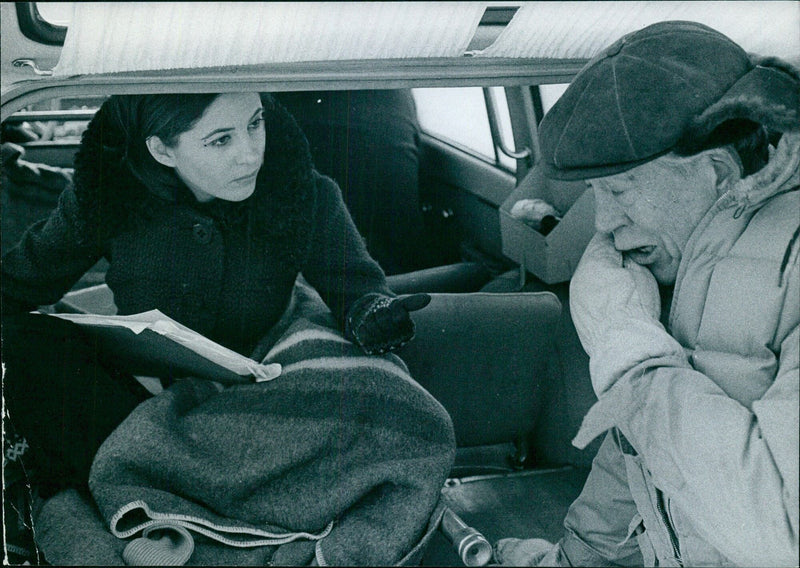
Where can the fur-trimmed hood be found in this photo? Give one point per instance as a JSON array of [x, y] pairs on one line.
[[782, 173], [278, 213], [768, 94]]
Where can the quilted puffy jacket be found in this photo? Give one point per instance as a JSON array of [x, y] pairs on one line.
[[703, 467]]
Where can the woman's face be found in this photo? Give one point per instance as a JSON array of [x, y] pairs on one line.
[[220, 156]]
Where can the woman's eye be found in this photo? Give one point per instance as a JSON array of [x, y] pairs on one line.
[[221, 141], [256, 123]]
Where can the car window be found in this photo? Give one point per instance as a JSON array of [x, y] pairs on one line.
[[459, 116], [56, 13], [550, 94], [56, 120]]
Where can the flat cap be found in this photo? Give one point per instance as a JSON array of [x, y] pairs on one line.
[[665, 86]]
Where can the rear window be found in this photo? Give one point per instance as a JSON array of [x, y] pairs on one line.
[[57, 120], [55, 13], [550, 94], [459, 116]]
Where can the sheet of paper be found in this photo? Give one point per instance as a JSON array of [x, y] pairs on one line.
[[161, 324]]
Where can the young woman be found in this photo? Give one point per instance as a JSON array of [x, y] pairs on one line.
[[207, 207]]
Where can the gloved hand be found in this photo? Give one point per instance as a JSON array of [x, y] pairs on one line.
[[614, 305], [379, 324]]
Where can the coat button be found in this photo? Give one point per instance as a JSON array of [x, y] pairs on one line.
[[202, 233]]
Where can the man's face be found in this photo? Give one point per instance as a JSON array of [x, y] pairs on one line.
[[652, 210]]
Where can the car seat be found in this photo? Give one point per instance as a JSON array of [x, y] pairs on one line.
[[368, 142]]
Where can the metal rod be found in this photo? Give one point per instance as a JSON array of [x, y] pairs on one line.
[[472, 546]]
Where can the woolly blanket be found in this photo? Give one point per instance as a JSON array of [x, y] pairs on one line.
[[339, 460]]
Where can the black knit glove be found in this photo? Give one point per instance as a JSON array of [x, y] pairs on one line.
[[379, 324]]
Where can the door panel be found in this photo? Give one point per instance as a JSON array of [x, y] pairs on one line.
[[466, 191]]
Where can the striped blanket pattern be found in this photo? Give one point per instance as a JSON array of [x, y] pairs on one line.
[[340, 459]]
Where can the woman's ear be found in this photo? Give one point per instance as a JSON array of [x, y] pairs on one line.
[[160, 151]]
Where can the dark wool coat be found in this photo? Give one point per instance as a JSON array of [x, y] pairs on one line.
[[224, 269]]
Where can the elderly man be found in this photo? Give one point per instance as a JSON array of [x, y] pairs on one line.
[[697, 386]]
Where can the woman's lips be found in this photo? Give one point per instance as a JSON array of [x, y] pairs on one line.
[[248, 178]]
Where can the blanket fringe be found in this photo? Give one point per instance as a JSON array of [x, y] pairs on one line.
[[206, 528]]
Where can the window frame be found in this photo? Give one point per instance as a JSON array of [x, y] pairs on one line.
[[499, 145], [490, 159]]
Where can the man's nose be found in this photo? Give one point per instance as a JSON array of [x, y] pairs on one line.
[[609, 215]]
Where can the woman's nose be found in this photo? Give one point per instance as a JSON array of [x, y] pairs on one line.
[[249, 152]]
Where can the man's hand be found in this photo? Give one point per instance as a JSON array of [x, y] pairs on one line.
[[380, 324], [527, 552], [607, 297]]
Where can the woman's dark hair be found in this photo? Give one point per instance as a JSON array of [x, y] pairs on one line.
[[120, 186], [138, 117]]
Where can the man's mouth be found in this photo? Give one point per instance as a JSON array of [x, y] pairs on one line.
[[640, 255]]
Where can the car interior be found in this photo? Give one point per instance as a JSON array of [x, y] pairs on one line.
[[439, 195]]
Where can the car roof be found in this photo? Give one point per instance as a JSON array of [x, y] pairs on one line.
[[145, 47]]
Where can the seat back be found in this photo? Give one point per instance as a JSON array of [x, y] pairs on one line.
[[568, 394], [485, 357], [458, 277]]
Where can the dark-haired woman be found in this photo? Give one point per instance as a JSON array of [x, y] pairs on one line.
[[207, 207]]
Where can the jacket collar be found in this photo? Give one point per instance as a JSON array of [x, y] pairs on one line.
[[782, 173]]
